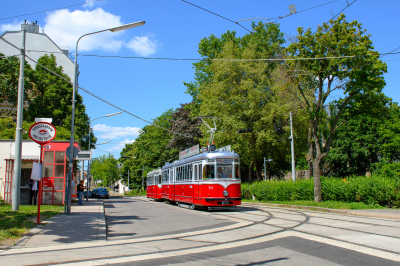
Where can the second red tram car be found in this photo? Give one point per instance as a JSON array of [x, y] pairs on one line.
[[210, 179]]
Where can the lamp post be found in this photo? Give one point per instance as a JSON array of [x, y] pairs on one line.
[[115, 29]]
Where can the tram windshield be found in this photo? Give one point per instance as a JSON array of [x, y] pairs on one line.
[[224, 171]]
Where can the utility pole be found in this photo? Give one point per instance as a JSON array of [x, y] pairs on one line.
[[128, 178], [143, 177], [18, 133], [265, 170], [291, 137]]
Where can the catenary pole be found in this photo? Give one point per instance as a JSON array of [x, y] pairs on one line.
[[292, 148], [18, 133]]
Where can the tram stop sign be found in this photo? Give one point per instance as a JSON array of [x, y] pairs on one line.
[[75, 152]]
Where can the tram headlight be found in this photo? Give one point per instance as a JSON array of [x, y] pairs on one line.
[[225, 193]]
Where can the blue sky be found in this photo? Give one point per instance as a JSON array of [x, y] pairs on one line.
[[174, 29]]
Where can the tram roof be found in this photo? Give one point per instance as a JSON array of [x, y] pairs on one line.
[[203, 156], [154, 172]]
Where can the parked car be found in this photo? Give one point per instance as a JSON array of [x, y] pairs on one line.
[[101, 193], [90, 194]]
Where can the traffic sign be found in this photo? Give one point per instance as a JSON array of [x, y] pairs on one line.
[[42, 132], [75, 152]]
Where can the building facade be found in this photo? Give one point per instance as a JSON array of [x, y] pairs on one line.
[[55, 170]]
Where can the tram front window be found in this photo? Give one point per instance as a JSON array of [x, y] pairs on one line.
[[208, 171], [224, 171]]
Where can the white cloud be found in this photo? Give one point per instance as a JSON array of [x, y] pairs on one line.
[[16, 26], [143, 45], [65, 27], [121, 145], [90, 3], [115, 132]]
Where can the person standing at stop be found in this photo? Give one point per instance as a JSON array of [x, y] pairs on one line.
[[80, 189]]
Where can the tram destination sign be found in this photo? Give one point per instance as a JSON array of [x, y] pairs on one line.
[[189, 152], [42, 132]]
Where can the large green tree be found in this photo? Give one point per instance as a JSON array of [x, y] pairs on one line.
[[366, 138], [52, 98], [361, 74], [189, 127], [246, 94], [9, 78]]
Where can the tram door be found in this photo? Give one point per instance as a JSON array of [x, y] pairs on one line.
[[171, 184], [196, 185]]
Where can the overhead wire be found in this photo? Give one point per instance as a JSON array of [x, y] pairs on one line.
[[107, 102], [216, 15], [50, 10], [288, 15], [203, 59], [341, 11]]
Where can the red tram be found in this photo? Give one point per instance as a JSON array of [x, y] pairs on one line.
[[210, 179], [154, 184]]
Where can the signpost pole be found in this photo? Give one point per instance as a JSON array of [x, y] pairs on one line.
[[39, 197]]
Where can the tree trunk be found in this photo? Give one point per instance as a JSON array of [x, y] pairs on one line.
[[317, 181], [251, 172], [310, 153]]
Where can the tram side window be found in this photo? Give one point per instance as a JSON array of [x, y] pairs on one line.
[[200, 172], [209, 171], [237, 171], [159, 179], [195, 172], [190, 171]]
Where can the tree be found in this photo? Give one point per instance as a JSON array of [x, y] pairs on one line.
[[244, 94], [105, 168], [354, 76], [182, 122], [366, 139], [52, 98], [9, 78]]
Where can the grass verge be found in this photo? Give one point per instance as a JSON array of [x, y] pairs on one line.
[[15, 224], [325, 204]]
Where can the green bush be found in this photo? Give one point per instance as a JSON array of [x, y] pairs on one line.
[[369, 190]]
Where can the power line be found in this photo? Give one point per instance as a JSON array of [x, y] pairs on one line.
[[216, 14], [204, 59], [340, 11], [281, 17], [51, 10], [101, 99]]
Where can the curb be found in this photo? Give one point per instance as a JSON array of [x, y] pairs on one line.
[[362, 212], [102, 232]]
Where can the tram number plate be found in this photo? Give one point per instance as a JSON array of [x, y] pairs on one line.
[[225, 202]]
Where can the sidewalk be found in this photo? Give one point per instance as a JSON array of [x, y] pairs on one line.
[[85, 223], [376, 213]]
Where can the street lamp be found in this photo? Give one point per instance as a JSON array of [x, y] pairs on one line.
[[115, 29]]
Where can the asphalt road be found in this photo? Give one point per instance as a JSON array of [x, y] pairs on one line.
[[143, 232], [129, 218]]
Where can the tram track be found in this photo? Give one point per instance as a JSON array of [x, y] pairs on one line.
[[213, 244], [269, 214]]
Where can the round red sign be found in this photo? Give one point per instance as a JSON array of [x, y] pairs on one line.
[[42, 132]]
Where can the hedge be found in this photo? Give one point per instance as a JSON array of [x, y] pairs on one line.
[[369, 190]]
